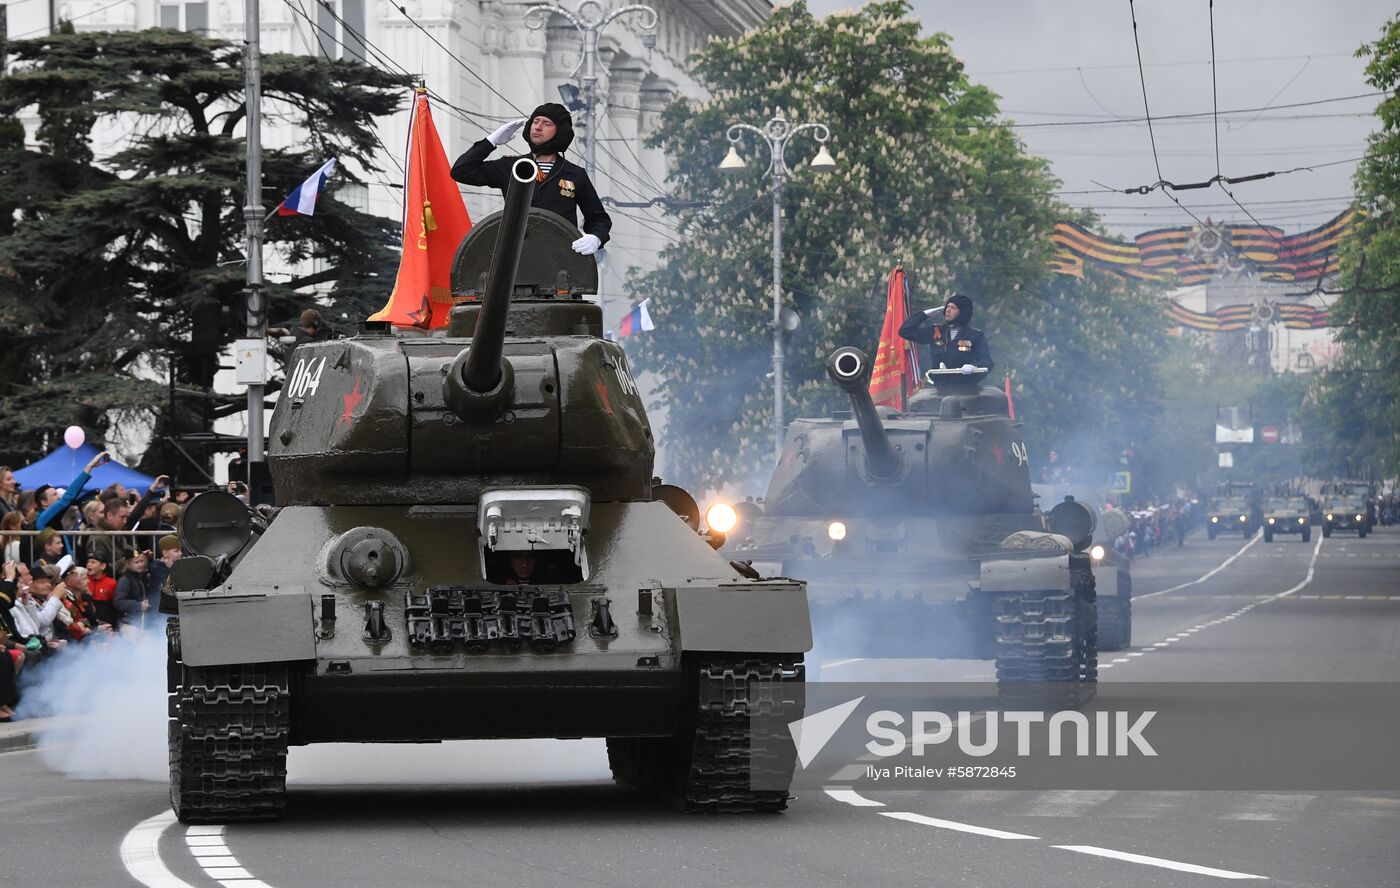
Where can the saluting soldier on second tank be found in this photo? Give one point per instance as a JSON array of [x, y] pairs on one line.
[[956, 343], [564, 187]]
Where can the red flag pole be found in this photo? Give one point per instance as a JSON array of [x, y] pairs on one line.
[[1010, 407]]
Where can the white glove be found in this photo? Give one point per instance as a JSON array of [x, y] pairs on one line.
[[587, 245], [968, 370], [506, 132]]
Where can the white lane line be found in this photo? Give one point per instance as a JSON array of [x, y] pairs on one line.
[[851, 797], [1159, 861], [1201, 579], [834, 663], [140, 850], [206, 843], [954, 825], [1312, 566]]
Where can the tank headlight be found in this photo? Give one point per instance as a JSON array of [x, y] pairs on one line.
[[1271, 521], [1215, 519], [721, 517], [836, 530], [1097, 553]]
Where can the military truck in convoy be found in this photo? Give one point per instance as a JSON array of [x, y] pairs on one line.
[[1235, 509], [469, 543], [1346, 505], [1287, 513], [918, 537]]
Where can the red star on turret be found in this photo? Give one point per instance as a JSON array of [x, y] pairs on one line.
[[349, 402]]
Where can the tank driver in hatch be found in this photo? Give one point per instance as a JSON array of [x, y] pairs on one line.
[[955, 342], [564, 187]]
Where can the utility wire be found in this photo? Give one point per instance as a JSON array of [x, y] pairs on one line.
[[1214, 93], [1142, 78]]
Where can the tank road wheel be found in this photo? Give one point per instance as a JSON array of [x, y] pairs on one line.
[[712, 762], [228, 733]]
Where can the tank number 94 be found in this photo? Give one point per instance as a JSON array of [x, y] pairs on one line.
[[306, 378], [1018, 450]]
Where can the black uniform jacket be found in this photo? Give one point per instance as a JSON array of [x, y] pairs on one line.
[[968, 347], [566, 191]]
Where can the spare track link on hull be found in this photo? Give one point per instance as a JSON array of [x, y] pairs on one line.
[[711, 763], [1047, 641], [229, 731]]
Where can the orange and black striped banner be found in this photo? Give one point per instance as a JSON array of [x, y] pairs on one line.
[[1238, 317], [1193, 254]]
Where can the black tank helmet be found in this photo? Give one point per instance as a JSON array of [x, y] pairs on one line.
[[561, 118]]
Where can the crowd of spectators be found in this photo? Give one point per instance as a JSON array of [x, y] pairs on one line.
[[61, 587], [1154, 525]]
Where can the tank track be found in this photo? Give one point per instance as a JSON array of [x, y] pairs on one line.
[[712, 763], [1116, 617], [229, 730], [1047, 642]]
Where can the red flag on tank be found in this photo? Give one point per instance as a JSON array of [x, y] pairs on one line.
[[434, 222], [895, 375]]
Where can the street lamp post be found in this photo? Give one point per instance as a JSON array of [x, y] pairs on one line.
[[777, 132], [589, 19]]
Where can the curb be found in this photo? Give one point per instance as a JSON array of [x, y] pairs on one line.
[[18, 740]]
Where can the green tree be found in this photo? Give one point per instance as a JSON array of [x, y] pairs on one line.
[[925, 177], [114, 269], [1354, 409]]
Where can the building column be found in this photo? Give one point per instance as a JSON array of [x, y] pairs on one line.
[[622, 155]]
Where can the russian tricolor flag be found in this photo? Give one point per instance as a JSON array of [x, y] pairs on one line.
[[302, 200], [637, 319]]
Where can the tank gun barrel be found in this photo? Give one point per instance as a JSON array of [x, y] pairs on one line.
[[850, 370], [481, 379]]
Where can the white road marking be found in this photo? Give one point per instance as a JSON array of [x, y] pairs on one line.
[[954, 825], [1159, 861], [1312, 566], [834, 663], [1201, 579], [851, 797], [206, 843], [140, 850]]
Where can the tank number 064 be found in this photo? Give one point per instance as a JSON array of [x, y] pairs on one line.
[[306, 378]]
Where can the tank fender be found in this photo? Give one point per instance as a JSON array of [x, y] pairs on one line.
[[249, 624], [1026, 574], [762, 617]]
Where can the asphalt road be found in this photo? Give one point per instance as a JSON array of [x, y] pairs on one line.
[[544, 813]]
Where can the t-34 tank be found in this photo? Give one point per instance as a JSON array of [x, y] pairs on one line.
[[917, 534], [469, 543]]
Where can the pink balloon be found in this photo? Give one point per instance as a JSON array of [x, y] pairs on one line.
[[74, 437]]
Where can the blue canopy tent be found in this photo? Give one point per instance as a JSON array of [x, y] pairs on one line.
[[63, 465]]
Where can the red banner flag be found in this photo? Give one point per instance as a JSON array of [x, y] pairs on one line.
[[895, 375], [434, 222]]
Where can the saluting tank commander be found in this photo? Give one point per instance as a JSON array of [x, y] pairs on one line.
[[956, 343], [564, 188]]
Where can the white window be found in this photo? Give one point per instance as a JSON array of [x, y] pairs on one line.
[[185, 17], [340, 25]]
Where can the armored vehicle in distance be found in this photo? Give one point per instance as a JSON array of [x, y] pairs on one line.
[[1287, 514], [1235, 509], [917, 535], [1346, 505], [469, 543]]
